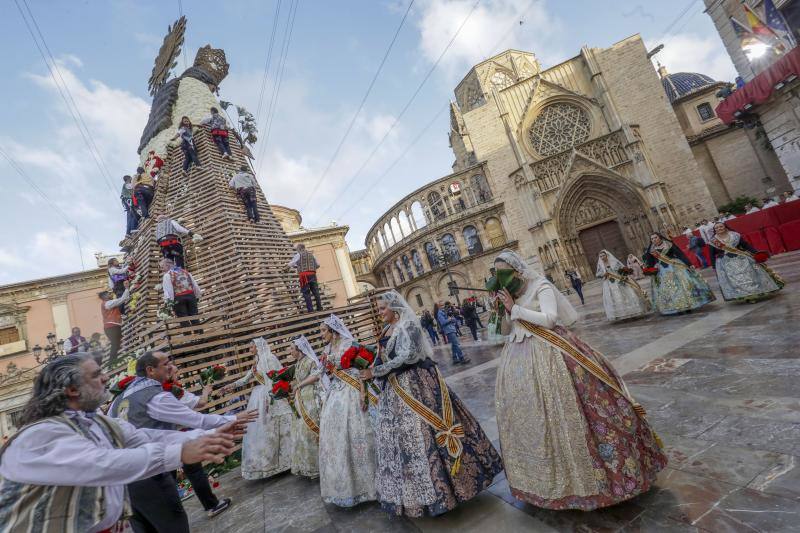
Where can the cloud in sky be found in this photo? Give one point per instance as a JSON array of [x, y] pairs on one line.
[[685, 52]]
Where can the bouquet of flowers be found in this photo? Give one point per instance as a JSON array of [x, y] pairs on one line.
[[119, 383], [174, 387], [212, 374], [360, 357], [650, 271], [625, 271], [165, 311], [761, 257], [282, 390], [284, 374]]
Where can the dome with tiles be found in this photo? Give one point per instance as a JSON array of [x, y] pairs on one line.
[[682, 84]]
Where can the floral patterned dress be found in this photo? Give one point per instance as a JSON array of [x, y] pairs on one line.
[[740, 277], [346, 440], [305, 442], [676, 288], [568, 441]]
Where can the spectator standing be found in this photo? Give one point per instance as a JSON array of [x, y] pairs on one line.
[[471, 318], [186, 135], [219, 132], [111, 311], [306, 266], [426, 321], [789, 196], [576, 282], [448, 325], [76, 342], [769, 202], [179, 287], [168, 236], [244, 183], [697, 245], [143, 191], [126, 196]]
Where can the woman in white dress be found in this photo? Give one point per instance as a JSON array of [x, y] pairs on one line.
[[307, 400], [635, 264], [346, 438], [267, 446], [570, 433], [622, 296]]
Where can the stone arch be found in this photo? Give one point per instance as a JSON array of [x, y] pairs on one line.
[[410, 295], [596, 198], [495, 232], [418, 214], [441, 284], [405, 225]]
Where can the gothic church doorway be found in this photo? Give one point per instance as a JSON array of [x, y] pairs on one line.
[[605, 236]]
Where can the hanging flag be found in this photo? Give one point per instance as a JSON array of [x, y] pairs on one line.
[[752, 46], [762, 31], [777, 23]]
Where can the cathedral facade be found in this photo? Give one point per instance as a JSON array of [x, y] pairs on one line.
[[560, 162]]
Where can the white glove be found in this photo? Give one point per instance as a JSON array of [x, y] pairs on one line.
[[196, 237]]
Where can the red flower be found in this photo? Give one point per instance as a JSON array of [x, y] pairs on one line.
[[271, 374], [650, 271], [174, 387], [281, 387], [761, 257], [124, 382], [348, 357]]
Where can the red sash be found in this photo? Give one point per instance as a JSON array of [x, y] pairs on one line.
[[221, 133], [305, 277]]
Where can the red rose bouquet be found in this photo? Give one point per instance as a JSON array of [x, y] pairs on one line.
[[761, 257], [212, 374], [284, 374], [360, 357], [119, 385], [174, 387], [650, 271], [625, 271], [282, 390]]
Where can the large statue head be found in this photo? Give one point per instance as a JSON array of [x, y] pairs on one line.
[[211, 64]]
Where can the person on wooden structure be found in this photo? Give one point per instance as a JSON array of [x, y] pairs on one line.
[[186, 135], [219, 132], [306, 265], [146, 404], [143, 191], [69, 457], [76, 342], [244, 183], [126, 196], [111, 311], [118, 274], [168, 236], [179, 287]]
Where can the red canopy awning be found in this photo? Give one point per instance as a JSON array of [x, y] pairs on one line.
[[759, 89]]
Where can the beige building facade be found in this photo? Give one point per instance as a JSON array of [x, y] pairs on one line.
[[328, 245], [780, 116], [557, 163]]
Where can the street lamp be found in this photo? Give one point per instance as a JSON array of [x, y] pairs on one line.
[[53, 350], [442, 257]]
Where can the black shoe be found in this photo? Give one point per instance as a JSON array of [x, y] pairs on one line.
[[456, 361], [466, 361], [221, 507]]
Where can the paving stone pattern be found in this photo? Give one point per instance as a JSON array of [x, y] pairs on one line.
[[721, 386]]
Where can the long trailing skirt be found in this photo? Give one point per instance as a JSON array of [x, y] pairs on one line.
[[267, 445], [741, 278], [568, 441], [346, 447], [305, 443], [621, 301], [413, 477], [677, 290]]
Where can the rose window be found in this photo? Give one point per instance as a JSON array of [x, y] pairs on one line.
[[559, 127]]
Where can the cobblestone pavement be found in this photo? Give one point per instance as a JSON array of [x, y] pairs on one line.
[[721, 387]]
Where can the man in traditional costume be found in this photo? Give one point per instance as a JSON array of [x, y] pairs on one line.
[[306, 265], [219, 132], [145, 404], [143, 191], [179, 287], [67, 467], [244, 183], [76, 342], [168, 236], [111, 311]]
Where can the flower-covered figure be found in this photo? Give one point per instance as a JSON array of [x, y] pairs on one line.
[[266, 448], [571, 435], [308, 391], [675, 286], [622, 296], [742, 271], [346, 439], [432, 454]]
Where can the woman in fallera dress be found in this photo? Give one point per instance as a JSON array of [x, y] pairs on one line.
[[623, 298], [675, 286], [635, 264], [418, 475], [570, 433], [267, 445], [346, 439], [308, 390], [740, 276]]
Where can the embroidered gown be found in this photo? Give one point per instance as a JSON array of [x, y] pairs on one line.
[[740, 276], [305, 442], [622, 299], [346, 440], [568, 441], [414, 473], [675, 289], [266, 447]]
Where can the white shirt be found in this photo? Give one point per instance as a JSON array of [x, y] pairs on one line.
[[112, 271], [165, 407], [242, 180], [53, 454], [68, 345], [111, 304], [169, 291], [791, 198], [771, 203], [752, 210]]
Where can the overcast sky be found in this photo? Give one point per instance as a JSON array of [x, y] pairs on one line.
[[105, 52]]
